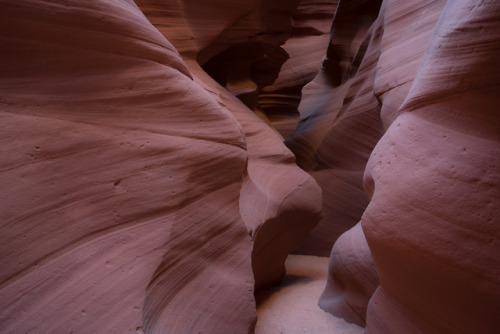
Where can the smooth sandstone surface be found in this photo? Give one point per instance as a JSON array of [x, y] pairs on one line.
[[340, 123], [113, 208], [352, 278], [432, 223], [279, 203], [146, 188], [141, 177], [264, 52], [372, 85], [430, 215], [305, 48]]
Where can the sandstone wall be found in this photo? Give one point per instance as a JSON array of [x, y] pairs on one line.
[[137, 194], [145, 185], [279, 203], [423, 73], [432, 222]]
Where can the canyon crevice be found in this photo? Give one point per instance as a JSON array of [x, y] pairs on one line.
[[161, 159]]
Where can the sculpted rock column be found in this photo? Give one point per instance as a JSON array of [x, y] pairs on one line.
[[353, 277], [434, 178], [338, 104], [279, 203]]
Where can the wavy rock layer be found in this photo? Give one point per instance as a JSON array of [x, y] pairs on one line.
[[279, 202], [107, 192], [353, 278], [257, 50], [432, 223], [139, 195], [432, 178], [128, 173], [340, 102], [305, 48]]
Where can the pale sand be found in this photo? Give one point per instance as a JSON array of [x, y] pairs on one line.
[[292, 308]]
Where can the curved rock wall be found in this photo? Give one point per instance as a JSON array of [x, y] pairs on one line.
[[305, 48], [432, 222], [140, 195], [432, 85], [352, 278], [340, 122], [263, 52], [107, 192], [126, 172], [279, 202]]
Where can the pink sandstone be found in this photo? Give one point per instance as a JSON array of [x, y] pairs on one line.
[[432, 179], [135, 175], [146, 187], [432, 224], [279, 202], [106, 189]]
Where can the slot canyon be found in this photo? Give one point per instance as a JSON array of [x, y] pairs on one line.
[[250, 166]]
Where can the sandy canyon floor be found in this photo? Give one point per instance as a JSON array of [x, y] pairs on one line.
[[292, 308]]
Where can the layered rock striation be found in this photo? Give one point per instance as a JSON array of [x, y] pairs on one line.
[[279, 203], [422, 73], [432, 222], [340, 122], [138, 194], [146, 187]]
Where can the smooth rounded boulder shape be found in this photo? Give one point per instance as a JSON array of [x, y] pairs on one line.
[[433, 220], [352, 279]]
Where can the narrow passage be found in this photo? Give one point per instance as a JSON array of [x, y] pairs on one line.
[[292, 308]]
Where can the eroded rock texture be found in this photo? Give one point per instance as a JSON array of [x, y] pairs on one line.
[[433, 176], [107, 192], [279, 202], [432, 223], [340, 122], [365, 78], [305, 49], [137, 194], [263, 52], [141, 191]]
